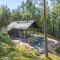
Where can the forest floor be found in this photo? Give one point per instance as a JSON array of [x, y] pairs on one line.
[[51, 42], [49, 39]]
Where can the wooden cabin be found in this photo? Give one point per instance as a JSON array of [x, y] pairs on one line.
[[21, 29]]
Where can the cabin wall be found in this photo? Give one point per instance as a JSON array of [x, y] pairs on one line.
[[13, 33], [21, 33]]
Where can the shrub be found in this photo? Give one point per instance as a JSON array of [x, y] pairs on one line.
[[5, 38], [58, 50]]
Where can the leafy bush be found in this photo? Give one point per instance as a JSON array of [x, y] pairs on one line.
[[8, 52], [5, 38], [58, 50]]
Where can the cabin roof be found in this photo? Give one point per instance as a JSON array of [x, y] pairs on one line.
[[20, 25]]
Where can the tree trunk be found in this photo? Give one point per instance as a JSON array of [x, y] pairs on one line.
[[45, 29]]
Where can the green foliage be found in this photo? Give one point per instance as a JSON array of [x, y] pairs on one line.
[[58, 50], [19, 52], [3, 49], [28, 11], [4, 16], [15, 52], [53, 57], [5, 38]]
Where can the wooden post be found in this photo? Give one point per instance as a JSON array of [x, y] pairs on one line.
[[37, 32], [24, 33]]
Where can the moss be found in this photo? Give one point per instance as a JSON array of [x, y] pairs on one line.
[[52, 57]]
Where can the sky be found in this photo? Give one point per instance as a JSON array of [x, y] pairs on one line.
[[12, 4]]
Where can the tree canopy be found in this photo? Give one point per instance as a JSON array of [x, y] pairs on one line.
[[33, 11]]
